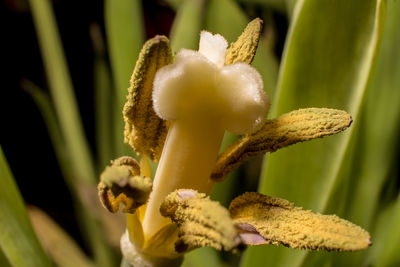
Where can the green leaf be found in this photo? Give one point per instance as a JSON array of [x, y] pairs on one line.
[[77, 150], [102, 96], [174, 3], [3, 260], [385, 253], [43, 102], [61, 90], [275, 4], [328, 56], [202, 257], [377, 130], [378, 125], [185, 32], [60, 246], [17, 239], [226, 18], [124, 31]]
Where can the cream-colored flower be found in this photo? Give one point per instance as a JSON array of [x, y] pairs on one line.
[[202, 98], [196, 99]]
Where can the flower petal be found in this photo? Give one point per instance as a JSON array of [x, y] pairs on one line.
[[244, 49], [145, 132], [201, 221], [122, 183], [245, 102], [266, 220], [185, 86], [296, 126], [213, 47]]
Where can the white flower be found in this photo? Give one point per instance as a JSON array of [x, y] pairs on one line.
[[198, 84]]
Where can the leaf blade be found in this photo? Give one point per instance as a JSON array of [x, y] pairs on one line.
[[16, 236], [313, 65]]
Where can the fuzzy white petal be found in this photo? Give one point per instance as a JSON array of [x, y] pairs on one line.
[[245, 102], [213, 47]]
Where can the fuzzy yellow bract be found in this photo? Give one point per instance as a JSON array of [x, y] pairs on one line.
[[266, 220], [244, 49], [201, 221], [293, 127], [144, 130], [121, 183]]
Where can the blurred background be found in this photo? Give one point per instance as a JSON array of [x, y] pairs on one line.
[[336, 55]]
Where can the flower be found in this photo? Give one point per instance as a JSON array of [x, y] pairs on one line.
[[196, 98]]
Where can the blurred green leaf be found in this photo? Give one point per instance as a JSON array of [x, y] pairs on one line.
[[387, 242], [60, 246], [77, 150], [3, 260], [279, 5], [61, 90], [226, 18], [202, 257], [125, 37], [88, 222], [102, 96], [376, 132], [188, 23], [327, 62], [174, 3], [379, 125], [43, 102], [17, 239]]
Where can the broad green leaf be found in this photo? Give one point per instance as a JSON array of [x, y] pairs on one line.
[[328, 56], [387, 242], [185, 32], [62, 90], [17, 239], [379, 124], [124, 33], [377, 129]]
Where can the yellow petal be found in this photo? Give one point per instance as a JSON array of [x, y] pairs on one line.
[[201, 221], [144, 130], [267, 220], [121, 183], [244, 49], [293, 127]]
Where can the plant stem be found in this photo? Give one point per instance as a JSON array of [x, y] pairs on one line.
[[188, 157]]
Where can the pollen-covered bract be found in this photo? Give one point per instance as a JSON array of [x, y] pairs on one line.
[[144, 130], [121, 183], [201, 221], [245, 47], [290, 128], [262, 220]]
